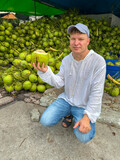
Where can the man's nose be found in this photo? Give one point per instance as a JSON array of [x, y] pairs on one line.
[[76, 42]]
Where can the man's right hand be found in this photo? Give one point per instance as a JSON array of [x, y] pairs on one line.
[[43, 68]]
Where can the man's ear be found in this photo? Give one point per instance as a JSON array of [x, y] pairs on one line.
[[88, 41]]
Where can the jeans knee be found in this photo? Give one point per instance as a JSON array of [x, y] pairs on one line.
[[44, 122], [83, 137]]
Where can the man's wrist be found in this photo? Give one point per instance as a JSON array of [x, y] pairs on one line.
[[86, 117]]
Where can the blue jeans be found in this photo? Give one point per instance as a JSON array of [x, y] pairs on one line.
[[59, 109]]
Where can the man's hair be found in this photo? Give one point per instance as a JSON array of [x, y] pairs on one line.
[[74, 30]]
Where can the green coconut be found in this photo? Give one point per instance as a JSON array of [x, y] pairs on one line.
[[33, 78], [108, 86], [9, 88], [8, 80], [25, 73], [16, 62], [41, 88], [22, 55], [51, 62], [27, 85], [18, 86], [28, 58], [23, 64], [29, 65], [40, 56], [57, 65], [17, 75], [33, 87], [48, 86], [114, 92], [110, 63], [56, 71], [117, 63], [40, 81]]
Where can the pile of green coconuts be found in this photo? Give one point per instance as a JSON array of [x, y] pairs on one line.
[[18, 41]]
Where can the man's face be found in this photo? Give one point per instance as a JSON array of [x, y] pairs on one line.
[[79, 43]]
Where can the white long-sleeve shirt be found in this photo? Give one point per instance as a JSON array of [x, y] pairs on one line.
[[83, 82]]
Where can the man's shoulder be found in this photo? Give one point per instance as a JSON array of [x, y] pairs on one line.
[[98, 56]]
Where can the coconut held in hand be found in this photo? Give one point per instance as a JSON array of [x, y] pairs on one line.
[[40, 56]]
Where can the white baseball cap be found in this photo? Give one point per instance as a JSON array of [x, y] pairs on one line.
[[81, 27]]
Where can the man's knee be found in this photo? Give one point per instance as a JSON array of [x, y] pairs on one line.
[[47, 121], [84, 137], [44, 121]]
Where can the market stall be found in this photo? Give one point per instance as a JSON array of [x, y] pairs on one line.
[[18, 41]]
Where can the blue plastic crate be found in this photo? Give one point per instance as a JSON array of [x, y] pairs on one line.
[[114, 71], [114, 53]]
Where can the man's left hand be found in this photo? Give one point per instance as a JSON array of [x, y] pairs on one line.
[[84, 124]]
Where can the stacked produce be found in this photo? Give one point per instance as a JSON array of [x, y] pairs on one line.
[[117, 63], [19, 43], [112, 86]]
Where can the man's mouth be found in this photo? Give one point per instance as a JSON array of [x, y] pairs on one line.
[[76, 47]]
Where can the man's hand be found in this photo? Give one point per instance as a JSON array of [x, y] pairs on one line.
[[43, 68], [84, 124]]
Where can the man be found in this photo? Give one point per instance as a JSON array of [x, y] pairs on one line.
[[82, 73]]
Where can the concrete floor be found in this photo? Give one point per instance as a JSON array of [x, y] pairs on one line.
[[21, 139]]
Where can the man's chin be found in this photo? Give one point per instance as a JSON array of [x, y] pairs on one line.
[[76, 51]]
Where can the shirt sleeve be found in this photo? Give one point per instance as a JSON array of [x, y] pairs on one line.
[[93, 108], [56, 80]]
